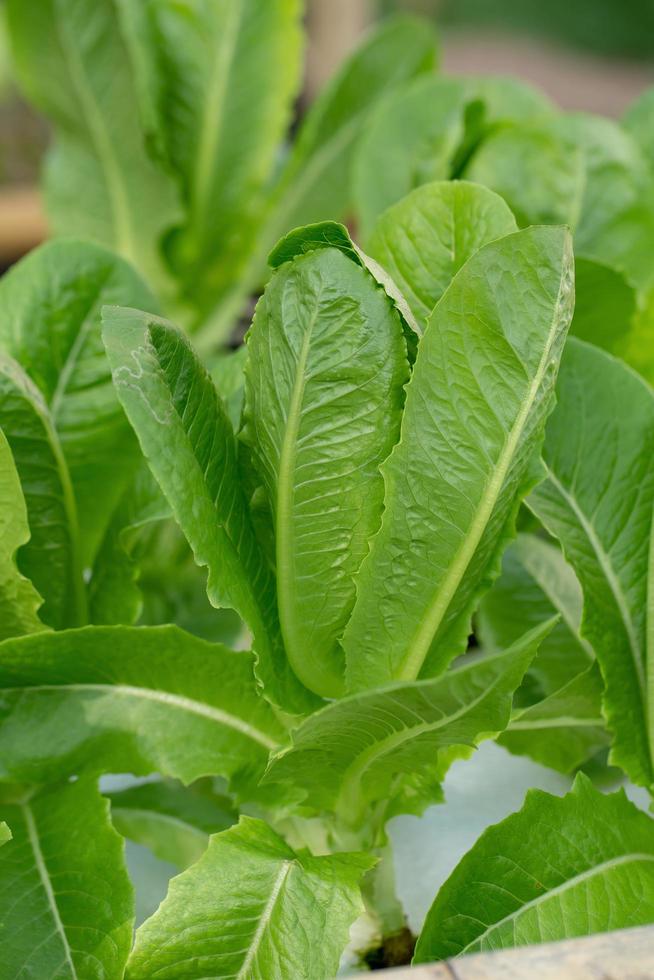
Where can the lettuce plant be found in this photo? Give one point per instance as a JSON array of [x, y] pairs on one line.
[[352, 496], [169, 124]]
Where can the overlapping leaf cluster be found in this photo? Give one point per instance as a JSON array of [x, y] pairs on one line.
[[407, 450]]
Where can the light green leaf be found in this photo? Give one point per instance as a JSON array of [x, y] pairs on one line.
[[72, 61], [66, 902], [598, 499], [564, 729], [332, 234], [537, 583], [189, 443], [362, 749], [5, 834], [19, 600], [51, 558], [173, 821], [425, 131], [558, 868], [537, 171], [129, 699], [423, 241], [605, 305], [114, 596], [324, 393], [227, 375], [610, 314], [252, 907], [218, 80], [476, 406], [315, 182], [616, 217], [50, 323], [639, 122]]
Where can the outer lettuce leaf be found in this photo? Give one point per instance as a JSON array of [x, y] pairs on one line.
[[140, 700], [476, 406], [73, 63], [252, 907], [173, 821], [189, 443], [19, 600], [598, 499], [218, 81], [362, 749], [564, 729], [66, 902], [537, 583], [558, 718], [423, 241], [558, 868], [324, 393], [50, 306], [51, 557]]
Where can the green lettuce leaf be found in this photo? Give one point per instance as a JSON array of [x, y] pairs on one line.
[[639, 121], [252, 907], [425, 131], [50, 306], [465, 458], [52, 557], [537, 583], [218, 82], [174, 821], [598, 499], [536, 169], [19, 600], [66, 902], [189, 443], [563, 730], [315, 181], [358, 751], [114, 595], [558, 718], [140, 700], [324, 393], [72, 60], [423, 241], [558, 868]]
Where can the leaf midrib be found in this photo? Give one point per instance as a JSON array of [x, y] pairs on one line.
[[558, 890], [41, 867], [435, 612], [178, 701], [264, 920]]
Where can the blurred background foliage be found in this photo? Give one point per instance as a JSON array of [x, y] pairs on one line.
[[622, 28]]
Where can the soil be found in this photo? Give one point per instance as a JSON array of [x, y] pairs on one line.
[[396, 950]]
